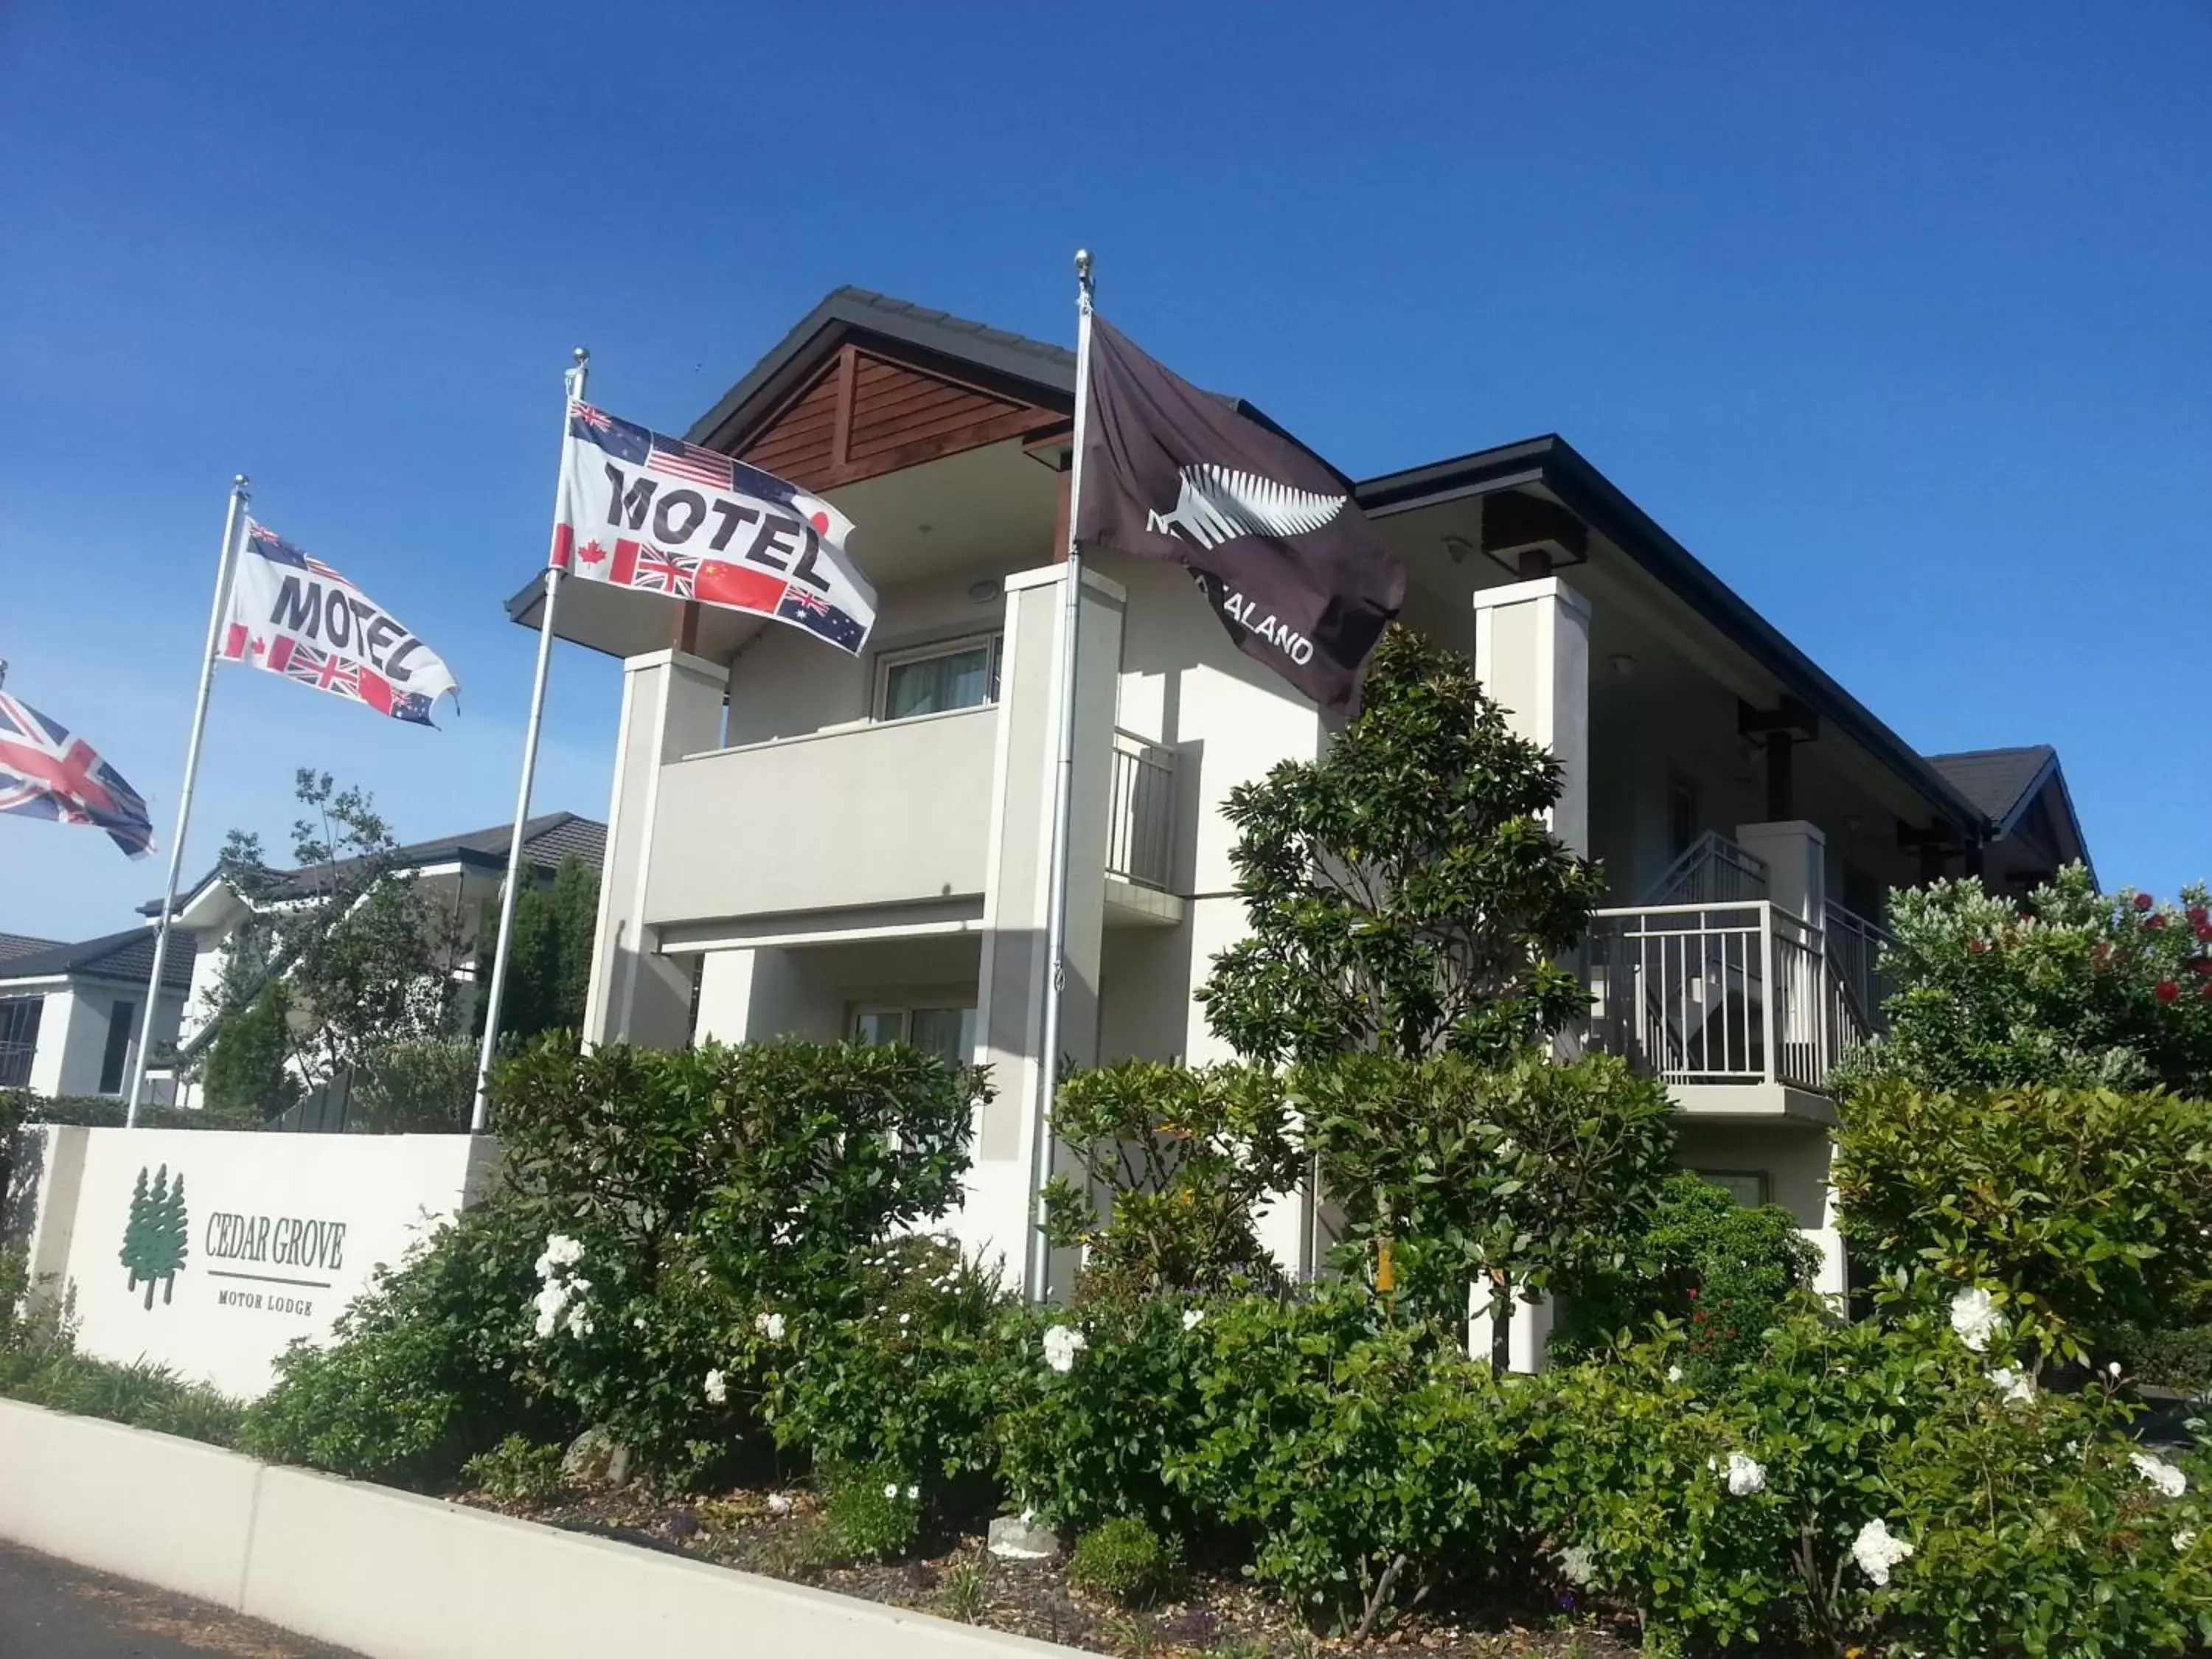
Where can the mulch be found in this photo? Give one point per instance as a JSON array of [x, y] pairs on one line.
[[958, 1578]]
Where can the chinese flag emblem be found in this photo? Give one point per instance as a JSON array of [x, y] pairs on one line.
[[718, 583]]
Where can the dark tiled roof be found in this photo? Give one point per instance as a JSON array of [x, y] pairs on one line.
[[1995, 779], [128, 956], [22, 944], [546, 840]]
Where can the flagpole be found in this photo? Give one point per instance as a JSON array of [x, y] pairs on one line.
[[480, 1113], [1039, 1256], [215, 615]]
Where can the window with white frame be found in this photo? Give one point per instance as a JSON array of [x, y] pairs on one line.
[[946, 1031], [934, 679]]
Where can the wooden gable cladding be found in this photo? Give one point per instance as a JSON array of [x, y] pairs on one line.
[[867, 412]]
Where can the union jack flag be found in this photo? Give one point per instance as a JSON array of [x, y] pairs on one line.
[[325, 671], [47, 771], [664, 573]]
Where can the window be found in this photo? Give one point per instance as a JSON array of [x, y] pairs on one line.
[[950, 1032], [19, 1039], [958, 674], [1747, 1187], [121, 1020]]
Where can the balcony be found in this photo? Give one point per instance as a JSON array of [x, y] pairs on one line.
[[1719, 995], [889, 817]]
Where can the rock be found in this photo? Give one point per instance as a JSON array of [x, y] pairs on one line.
[[595, 1458], [1019, 1538]]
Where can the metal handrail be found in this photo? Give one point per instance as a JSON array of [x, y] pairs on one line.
[[1735, 875], [1140, 802]]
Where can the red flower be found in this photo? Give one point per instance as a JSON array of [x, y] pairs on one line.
[[2154, 922], [2204, 930], [2199, 914], [1978, 946], [2202, 964], [2144, 901], [2167, 990]]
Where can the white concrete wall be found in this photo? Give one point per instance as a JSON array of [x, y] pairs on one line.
[[73, 1034], [253, 1278], [392, 1576], [1794, 1159], [886, 814]]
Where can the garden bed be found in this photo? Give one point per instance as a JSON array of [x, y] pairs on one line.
[[959, 1579]]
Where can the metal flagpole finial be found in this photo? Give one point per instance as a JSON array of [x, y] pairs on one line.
[[1083, 266], [582, 355], [238, 482]]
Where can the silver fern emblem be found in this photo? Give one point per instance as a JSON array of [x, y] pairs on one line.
[[1217, 504]]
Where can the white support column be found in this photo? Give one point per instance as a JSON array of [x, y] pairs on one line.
[[1532, 651], [671, 707], [1010, 1012], [1796, 857]]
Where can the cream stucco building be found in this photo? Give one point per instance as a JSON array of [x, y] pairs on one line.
[[800, 842]]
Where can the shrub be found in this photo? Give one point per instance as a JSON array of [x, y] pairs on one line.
[[245, 1079], [416, 1085], [2081, 1204], [1126, 1561], [2178, 1357], [1110, 1399], [913, 1379], [427, 1369], [1523, 1179], [701, 1196], [1184, 1157], [1726, 1272], [2072, 989], [1367, 1462], [515, 1470], [871, 1515]]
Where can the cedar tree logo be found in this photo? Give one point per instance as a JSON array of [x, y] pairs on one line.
[[156, 1239], [1218, 504]]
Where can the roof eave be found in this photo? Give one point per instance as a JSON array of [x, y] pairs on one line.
[[1556, 464]]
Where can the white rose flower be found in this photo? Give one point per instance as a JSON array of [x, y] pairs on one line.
[[1062, 1344], [2160, 1472], [906, 1319], [717, 1388], [561, 1251], [1974, 1316], [2017, 1387], [1191, 1316], [1674, 1373], [1876, 1552], [913, 1494], [769, 1325], [2184, 1539], [579, 1321], [1744, 1475], [1578, 1563], [891, 1491]]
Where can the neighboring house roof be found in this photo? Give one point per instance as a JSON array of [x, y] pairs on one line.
[[2000, 781], [127, 956], [22, 944], [546, 840], [2007, 783]]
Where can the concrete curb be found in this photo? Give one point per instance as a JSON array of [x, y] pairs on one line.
[[393, 1576]]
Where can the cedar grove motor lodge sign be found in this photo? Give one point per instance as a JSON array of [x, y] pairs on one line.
[[157, 1244]]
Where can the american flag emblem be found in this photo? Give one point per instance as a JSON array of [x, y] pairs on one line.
[[704, 466], [47, 771], [664, 573]]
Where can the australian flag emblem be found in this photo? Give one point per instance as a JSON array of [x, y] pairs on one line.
[[817, 615], [623, 440]]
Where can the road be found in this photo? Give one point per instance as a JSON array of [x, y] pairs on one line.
[[52, 1610]]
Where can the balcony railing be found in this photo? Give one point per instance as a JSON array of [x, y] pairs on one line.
[[1140, 831], [1737, 992]]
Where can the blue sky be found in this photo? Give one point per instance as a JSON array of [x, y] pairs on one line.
[[1895, 314]]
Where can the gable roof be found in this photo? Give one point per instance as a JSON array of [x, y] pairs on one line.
[[127, 956], [1049, 370], [546, 840], [22, 944], [2000, 781]]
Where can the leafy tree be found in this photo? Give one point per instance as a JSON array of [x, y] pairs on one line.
[[1523, 1180], [550, 957], [418, 1086], [244, 1076], [2073, 987], [365, 957], [1403, 891]]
